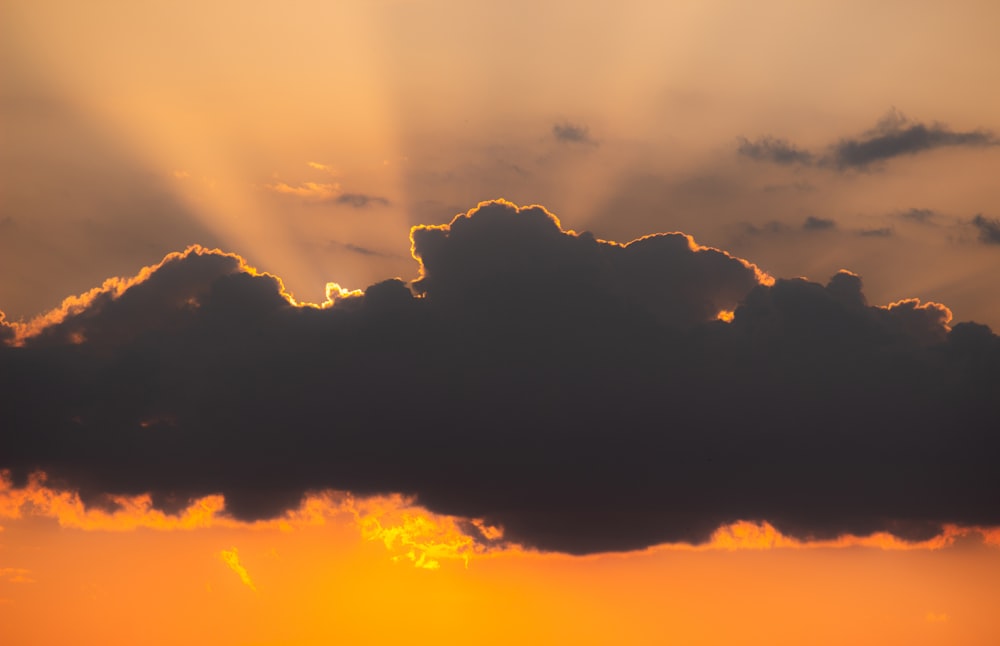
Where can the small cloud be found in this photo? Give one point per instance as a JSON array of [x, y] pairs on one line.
[[360, 200], [895, 135], [919, 215], [181, 174], [769, 227], [232, 559], [326, 168], [15, 575], [936, 617], [882, 232], [798, 187], [574, 134], [989, 229], [818, 224], [772, 149], [364, 251], [308, 190]]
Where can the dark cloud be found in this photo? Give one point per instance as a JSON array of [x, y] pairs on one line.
[[364, 251], [813, 223], [880, 232], [570, 133], [988, 228], [896, 136], [893, 136], [581, 393], [360, 200], [778, 151]]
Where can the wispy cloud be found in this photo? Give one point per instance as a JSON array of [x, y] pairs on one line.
[[15, 575], [309, 190], [988, 228], [771, 149], [360, 200], [814, 223], [232, 559]]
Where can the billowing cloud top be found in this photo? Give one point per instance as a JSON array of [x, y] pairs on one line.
[[583, 394]]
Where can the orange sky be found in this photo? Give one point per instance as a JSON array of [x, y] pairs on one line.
[[324, 576], [309, 137]]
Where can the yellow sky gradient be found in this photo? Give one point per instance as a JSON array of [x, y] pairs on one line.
[[377, 571]]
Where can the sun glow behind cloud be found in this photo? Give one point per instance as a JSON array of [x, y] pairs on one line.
[[338, 563]]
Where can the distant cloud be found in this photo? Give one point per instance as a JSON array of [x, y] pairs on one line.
[[768, 227], [988, 228], [813, 223], [919, 215], [15, 575], [570, 133], [360, 200], [797, 186], [881, 232], [316, 191], [896, 136], [232, 559], [771, 149], [326, 168], [364, 251], [893, 136], [582, 395]]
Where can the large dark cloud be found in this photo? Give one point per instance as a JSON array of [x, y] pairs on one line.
[[893, 136], [581, 393]]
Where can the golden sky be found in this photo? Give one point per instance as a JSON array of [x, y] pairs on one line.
[[787, 139]]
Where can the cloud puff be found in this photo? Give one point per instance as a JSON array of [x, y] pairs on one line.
[[360, 200], [813, 223], [988, 228], [577, 392], [571, 133], [893, 136]]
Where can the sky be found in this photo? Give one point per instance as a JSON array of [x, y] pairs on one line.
[[580, 322]]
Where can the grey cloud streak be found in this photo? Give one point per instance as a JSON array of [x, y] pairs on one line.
[[893, 136], [578, 392]]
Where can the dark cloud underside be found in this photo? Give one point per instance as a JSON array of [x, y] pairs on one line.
[[578, 392]]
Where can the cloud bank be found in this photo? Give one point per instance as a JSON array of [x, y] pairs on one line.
[[582, 394]]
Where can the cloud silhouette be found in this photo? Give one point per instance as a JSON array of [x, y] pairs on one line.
[[571, 133], [778, 151], [578, 392], [812, 223], [893, 136], [988, 228]]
